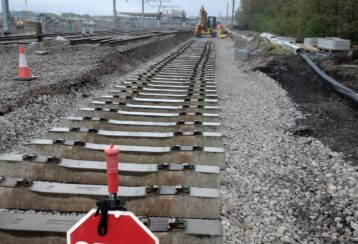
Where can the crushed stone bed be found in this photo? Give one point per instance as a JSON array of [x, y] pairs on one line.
[[278, 187], [46, 109]]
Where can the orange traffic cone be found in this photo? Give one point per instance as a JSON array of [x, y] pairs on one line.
[[24, 70], [196, 30]]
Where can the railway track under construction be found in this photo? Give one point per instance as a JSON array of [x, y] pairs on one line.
[[165, 121], [99, 38]]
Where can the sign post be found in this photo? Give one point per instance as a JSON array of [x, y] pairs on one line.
[[110, 223]]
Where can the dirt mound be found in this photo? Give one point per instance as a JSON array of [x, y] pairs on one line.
[[329, 117], [345, 73], [46, 102], [67, 68]]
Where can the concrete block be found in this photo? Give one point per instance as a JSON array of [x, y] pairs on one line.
[[311, 41], [334, 43]]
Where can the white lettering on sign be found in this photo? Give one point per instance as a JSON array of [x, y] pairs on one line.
[[83, 242]]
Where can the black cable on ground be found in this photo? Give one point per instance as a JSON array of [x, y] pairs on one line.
[[338, 86]]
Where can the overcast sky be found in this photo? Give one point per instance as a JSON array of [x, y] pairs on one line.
[[104, 7]]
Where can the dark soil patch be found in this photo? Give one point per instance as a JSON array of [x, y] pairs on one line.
[[304, 132], [345, 73], [329, 117]]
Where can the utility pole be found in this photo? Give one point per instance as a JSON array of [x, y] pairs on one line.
[[114, 15], [6, 17], [27, 13], [142, 17], [143, 14], [233, 14], [159, 8], [227, 12], [159, 15]]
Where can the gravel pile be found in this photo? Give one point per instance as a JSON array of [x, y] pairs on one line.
[[44, 111], [64, 66], [33, 121], [278, 187], [67, 67]]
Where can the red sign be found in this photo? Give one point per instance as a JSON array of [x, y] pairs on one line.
[[123, 228]]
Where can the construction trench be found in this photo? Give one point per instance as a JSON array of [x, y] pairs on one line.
[[165, 121]]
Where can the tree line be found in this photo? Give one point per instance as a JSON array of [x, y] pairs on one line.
[[301, 18]]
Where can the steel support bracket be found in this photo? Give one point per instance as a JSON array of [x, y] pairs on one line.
[[29, 157], [167, 190]]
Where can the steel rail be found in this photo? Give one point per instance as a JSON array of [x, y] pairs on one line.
[[158, 119]]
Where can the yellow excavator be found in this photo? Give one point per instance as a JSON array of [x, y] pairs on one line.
[[207, 26]]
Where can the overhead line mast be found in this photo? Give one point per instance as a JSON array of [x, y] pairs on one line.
[[114, 15], [227, 12], [233, 14], [159, 8], [6, 17]]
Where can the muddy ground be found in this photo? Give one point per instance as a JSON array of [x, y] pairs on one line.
[[66, 68], [341, 66], [329, 117], [345, 72]]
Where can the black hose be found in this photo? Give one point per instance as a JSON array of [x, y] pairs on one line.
[[339, 87]]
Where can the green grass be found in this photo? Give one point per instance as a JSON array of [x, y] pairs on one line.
[[276, 50]]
